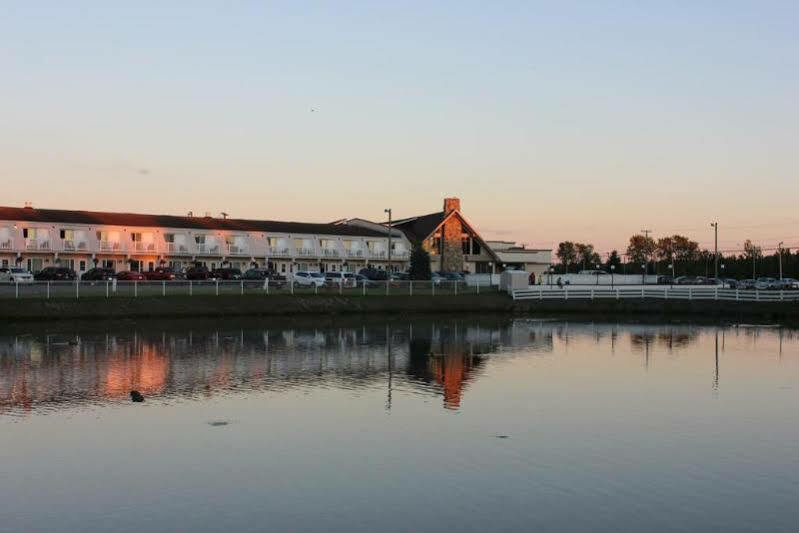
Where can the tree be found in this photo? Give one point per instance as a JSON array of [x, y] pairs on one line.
[[420, 264], [640, 248], [613, 260], [567, 253], [586, 255], [751, 251]]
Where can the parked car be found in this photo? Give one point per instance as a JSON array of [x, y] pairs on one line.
[[336, 278], [130, 275], [746, 284], [257, 274], [98, 274], [55, 274], [790, 283], [161, 274], [436, 278], [226, 273], [767, 284], [728, 283], [309, 279], [452, 276], [15, 275], [197, 272], [400, 276], [685, 280], [374, 274]]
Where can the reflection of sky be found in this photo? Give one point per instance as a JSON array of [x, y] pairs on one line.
[[621, 422]]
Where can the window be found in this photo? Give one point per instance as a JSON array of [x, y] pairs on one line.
[[5, 263], [108, 263], [169, 237], [25, 234], [150, 266], [82, 266], [63, 234], [283, 267]]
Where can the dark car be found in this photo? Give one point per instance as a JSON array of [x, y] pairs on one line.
[[55, 274], [374, 274], [197, 272], [260, 274], [452, 276], [98, 274], [130, 275], [226, 273], [160, 274]]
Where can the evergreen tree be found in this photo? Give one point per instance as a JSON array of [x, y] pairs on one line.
[[420, 263]]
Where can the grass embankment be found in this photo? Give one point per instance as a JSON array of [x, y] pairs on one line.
[[30, 309]]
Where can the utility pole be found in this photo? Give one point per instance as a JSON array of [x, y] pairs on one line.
[[646, 233], [389, 241], [715, 226], [779, 251]]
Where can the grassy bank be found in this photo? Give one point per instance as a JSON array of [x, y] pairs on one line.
[[24, 310]]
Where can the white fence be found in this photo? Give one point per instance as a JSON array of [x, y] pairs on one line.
[[135, 289], [661, 293]]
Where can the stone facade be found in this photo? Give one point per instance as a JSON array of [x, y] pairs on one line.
[[451, 239]]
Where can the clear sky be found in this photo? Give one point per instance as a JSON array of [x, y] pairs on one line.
[[550, 120]]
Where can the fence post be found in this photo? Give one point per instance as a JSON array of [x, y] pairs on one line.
[[737, 297], [456, 287], [566, 293], [217, 287], [135, 288], [363, 287], [267, 286], [433, 286], [77, 289], [341, 285], [388, 282], [782, 297], [690, 294], [315, 288], [617, 294], [242, 287], [48, 290], [757, 295], [106, 288], [540, 293], [16, 289], [666, 292], [717, 293], [642, 292], [478, 286], [410, 287], [190, 287], [163, 288]]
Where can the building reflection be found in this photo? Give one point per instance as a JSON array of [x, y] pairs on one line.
[[439, 358]]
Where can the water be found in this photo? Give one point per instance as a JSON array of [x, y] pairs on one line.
[[478, 424]]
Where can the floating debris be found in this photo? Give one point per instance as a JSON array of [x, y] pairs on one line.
[[136, 396], [502, 436], [218, 423]]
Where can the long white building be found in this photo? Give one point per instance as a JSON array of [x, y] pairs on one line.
[[37, 238]]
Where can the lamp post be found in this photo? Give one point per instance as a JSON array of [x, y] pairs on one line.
[[779, 252], [389, 240], [612, 271], [551, 270], [643, 274], [596, 274], [715, 226], [671, 266]]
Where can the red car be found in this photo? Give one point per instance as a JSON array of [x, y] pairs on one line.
[[127, 275], [160, 274]]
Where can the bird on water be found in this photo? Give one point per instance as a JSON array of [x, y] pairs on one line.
[[136, 396]]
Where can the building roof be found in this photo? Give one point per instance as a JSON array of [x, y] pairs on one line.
[[419, 228], [61, 216]]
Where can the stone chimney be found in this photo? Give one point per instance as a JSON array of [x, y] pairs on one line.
[[451, 204]]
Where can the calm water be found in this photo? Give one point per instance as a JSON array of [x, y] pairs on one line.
[[443, 425]]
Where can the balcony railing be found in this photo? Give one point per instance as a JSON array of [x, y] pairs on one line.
[[205, 248], [379, 254], [5, 245], [237, 249], [176, 248], [305, 252], [35, 244], [142, 247], [277, 251], [354, 253], [70, 245], [330, 252], [109, 246]]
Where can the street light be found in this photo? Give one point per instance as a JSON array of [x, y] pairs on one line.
[[389, 240], [612, 271], [643, 274], [779, 252], [671, 266]]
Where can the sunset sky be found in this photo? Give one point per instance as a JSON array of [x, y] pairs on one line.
[[585, 121]]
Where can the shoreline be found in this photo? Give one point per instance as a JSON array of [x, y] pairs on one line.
[[24, 311]]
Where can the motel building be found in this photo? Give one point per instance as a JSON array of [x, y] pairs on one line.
[[33, 239]]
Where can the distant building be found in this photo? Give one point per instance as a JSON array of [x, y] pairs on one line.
[[516, 257]]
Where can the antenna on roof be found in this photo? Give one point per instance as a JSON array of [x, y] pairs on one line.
[[224, 215]]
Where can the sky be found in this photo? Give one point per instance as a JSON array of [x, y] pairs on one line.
[[583, 121]]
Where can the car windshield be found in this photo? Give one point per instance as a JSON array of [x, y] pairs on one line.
[[17, 271], [317, 275]]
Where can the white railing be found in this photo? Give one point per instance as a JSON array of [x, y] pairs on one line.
[[661, 293], [330, 252], [146, 247], [35, 244], [377, 255], [176, 248], [305, 252], [5, 245], [136, 289], [205, 248], [235, 249], [109, 246], [354, 253], [275, 251]]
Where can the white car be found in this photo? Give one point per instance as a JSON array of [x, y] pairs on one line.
[[309, 279], [15, 275]]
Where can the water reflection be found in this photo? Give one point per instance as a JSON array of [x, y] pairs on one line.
[[43, 372]]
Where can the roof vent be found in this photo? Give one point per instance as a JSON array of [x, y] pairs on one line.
[[28, 205]]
